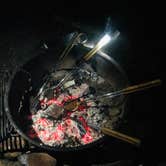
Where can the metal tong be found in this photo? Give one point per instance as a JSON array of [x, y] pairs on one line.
[[128, 90], [121, 136], [85, 58], [76, 39]]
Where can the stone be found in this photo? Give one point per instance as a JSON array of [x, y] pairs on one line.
[[37, 159]]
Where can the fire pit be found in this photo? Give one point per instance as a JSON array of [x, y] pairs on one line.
[[75, 123], [72, 115]]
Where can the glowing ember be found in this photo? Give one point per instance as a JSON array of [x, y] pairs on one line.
[[87, 138], [66, 118]]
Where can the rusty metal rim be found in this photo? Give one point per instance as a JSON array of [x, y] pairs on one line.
[[40, 145]]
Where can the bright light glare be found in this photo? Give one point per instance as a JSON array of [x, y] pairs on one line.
[[104, 40]]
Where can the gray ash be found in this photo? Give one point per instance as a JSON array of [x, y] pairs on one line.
[[69, 115]]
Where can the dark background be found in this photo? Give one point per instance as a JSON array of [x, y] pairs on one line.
[[139, 51]]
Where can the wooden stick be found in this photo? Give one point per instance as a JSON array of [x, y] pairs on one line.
[[121, 136]]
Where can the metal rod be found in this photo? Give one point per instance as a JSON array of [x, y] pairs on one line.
[[92, 52], [15, 143], [2, 111], [132, 89], [20, 143], [121, 136], [11, 143], [4, 115], [86, 57], [71, 44], [68, 47], [4, 145], [75, 40], [128, 90]]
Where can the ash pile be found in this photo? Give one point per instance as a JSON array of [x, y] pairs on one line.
[[69, 114]]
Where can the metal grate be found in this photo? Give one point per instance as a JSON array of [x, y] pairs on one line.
[[10, 140], [5, 127]]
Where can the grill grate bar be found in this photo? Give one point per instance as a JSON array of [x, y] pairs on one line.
[[1, 108], [20, 142], [3, 118], [10, 140]]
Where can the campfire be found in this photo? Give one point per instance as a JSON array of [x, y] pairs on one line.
[[77, 106], [70, 115]]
